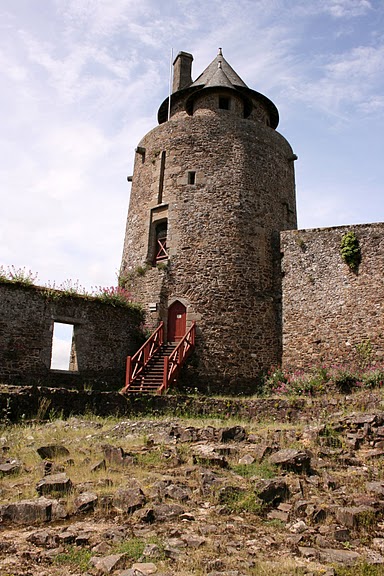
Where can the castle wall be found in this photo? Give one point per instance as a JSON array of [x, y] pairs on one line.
[[104, 335], [328, 309]]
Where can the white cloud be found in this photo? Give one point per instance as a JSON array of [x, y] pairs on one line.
[[101, 17], [60, 354], [337, 9], [14, 71], [361, 63], [347, 83], [347, 8], [82, 81], [372, 105]]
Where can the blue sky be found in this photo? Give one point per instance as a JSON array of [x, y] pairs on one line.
[[81, 82]]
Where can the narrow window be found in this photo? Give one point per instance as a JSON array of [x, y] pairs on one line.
[[191, 177], [63, 356], [247, 108], [161, 250], [161, 179], [140, 150], [224, 102]]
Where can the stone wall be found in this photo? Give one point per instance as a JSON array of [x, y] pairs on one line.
[[25, 403], [103, 336], [328, 309]]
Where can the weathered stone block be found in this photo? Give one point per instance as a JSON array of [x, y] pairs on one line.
[[54, 483]]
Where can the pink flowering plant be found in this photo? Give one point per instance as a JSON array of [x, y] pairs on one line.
[[17, 275], [115, 295], [342, 378], [68, 288], [296, 382]]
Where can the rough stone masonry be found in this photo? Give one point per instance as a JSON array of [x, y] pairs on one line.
[[218, 181], [212, 229]]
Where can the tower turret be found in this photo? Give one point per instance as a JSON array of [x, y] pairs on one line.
[[212, 188]]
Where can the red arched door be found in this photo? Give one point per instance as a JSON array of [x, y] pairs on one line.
[[177, 321]]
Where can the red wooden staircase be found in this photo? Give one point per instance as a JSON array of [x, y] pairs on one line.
[[156, 365]]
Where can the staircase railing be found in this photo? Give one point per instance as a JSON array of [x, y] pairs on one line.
[[137, 363], [174, 362]]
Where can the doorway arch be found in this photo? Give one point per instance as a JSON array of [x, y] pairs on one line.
[[177, 321]]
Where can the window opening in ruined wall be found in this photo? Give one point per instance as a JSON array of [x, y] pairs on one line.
[[191, 177], [161, 179], [224, 103], [161, 251], [63, 355]]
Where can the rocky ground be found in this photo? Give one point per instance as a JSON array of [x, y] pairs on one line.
[[174, 496]]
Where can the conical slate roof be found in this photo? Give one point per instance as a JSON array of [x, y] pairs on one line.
[[219, 78], [219, 73]]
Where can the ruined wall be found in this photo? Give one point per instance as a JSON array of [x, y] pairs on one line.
[[328, 309], [104, 335]]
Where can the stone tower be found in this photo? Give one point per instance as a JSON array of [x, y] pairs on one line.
[[213, 186]]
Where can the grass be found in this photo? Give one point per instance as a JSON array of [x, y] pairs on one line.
[[360, 570], [284, 568], [262, 470], [134, 548], [78, 558], [83, 438], [151, 458], [239, 499], [246, 503], [287, 568], [230, 503], [74, 557]]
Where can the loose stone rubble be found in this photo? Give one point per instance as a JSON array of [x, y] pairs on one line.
[[201, 500]]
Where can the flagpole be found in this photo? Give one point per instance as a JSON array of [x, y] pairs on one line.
[[170, 84]]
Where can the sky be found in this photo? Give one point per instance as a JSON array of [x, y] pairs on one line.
[[81, 83]]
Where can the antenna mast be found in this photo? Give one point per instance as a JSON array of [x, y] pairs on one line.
[[170, 84]]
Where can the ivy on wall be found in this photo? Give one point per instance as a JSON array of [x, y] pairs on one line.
[[350, 250]]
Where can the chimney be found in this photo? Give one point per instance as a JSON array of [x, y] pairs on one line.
[[182, 67]]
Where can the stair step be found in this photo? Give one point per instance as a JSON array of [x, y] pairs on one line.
[[145, 389], [133, 390], [151, 378]]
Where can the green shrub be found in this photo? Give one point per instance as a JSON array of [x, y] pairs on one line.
[[296, 383], [350, 250], [373, 378], [364, 351], [162, 265], [141, 270], [344, 380], [275, 381]]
